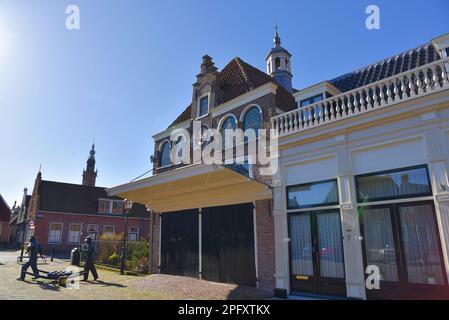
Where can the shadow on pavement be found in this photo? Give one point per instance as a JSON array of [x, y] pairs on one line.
[[110, 284]]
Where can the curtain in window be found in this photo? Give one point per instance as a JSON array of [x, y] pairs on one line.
[[303, 196], [329, 245], [55, 233], [74, 233], [394, 184], [301, 245], [419, 234], [379, 242]]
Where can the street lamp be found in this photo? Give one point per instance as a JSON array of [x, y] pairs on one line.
[[128, 204]]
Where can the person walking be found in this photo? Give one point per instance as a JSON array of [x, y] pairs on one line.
[[33, 249], [88, 250]]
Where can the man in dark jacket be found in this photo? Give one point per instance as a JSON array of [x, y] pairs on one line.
[[88, 250], [33, 249]]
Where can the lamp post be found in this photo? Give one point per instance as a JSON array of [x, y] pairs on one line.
[[128, 205]]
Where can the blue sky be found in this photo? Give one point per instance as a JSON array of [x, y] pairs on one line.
[[127, 73]]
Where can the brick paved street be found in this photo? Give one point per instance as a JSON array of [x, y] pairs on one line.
[[114, 286]]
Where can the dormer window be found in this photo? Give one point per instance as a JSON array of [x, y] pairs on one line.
[[311, 100], [117, 207], [110, 206], [203, 106], [103, 206]]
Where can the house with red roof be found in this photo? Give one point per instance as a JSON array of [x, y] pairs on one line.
[[61, 214]]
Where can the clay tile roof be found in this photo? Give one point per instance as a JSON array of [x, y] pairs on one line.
[[237, 78], [75, 198], [184, 116], [399, 63]]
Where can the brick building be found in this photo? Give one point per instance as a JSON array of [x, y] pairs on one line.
[[5, 213], [214, 221], [61, 214], [17, 223]]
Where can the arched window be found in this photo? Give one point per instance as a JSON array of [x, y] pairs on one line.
[[252, 119], [165, 155], [228, 124]]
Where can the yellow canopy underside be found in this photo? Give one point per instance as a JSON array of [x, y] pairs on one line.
[[192, 187]]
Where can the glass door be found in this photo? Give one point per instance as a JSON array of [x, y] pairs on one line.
[[381, 250], [316, 253], [402, 241]]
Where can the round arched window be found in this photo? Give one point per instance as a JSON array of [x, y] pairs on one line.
[[165, 155], [229, 124], [252, 120]]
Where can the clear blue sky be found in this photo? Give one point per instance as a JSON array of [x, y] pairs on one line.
[[127, 73]]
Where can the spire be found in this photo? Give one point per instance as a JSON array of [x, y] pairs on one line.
[[90, 175], [277, 39], [279, 63]]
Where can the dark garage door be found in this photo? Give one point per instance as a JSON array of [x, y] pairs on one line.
[[228, 244], [179, 243]]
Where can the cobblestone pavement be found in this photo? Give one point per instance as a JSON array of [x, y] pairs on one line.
[[114, 286]]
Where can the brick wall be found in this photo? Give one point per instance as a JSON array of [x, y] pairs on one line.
[[265, 243], [154, 246], [42, 227]]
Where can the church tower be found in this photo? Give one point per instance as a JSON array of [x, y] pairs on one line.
[[90, 174], [279, 65]]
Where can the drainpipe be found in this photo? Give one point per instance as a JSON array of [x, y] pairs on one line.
[[256, 262], [200, 246]]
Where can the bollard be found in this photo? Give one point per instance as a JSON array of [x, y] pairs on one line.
[[21, 255], [52, 253]]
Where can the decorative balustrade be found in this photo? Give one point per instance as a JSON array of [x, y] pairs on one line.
[[398, 88]]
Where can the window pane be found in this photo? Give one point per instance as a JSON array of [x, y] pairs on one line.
[[411, 182], [316, 194], [252, 120], [379, 242], [204, 106], [301, 245], [419, 236], [330, 247], [117, 207], [165, 155], [74, 233], [55, 233], [103, 206]]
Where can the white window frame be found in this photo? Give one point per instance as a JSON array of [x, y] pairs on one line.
[[198, 106], [112, 207], [137, 234], [79, 235], [107, 226], [60, 235], [109, 206]]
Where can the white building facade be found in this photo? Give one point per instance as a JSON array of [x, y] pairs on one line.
[[363, 185]]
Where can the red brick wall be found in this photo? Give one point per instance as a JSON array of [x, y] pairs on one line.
[[42, 227], [155, 226], [265, 243]]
